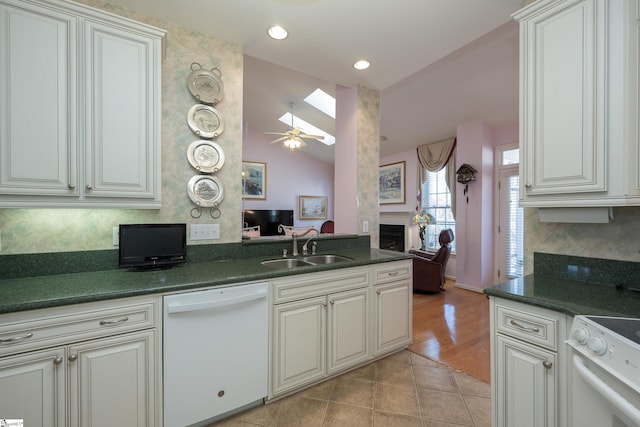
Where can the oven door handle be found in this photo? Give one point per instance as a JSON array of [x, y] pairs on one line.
[[607, 392]]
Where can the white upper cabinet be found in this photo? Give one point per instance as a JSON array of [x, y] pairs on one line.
[[80, 93], [576, 133]]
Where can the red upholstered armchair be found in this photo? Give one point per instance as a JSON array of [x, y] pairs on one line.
[[428, 269]]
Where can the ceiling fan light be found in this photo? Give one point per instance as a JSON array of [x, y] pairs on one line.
[[291, 143], [361, 64], [277, 32]]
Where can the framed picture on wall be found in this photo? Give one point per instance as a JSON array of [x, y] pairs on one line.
[[254, 180], [392, 184], [312, 207]]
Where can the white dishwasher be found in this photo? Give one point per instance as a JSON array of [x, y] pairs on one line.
[[215, 352]]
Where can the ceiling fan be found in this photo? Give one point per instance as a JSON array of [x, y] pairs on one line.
[[294, 137]]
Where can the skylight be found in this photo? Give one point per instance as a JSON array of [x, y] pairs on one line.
[[308, 128], [323, 102]]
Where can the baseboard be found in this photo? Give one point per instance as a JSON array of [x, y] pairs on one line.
[[468, 288]]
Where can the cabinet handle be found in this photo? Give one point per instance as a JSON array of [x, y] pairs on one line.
[[527, 186], [393, 273], [89, 187], [58, 360], [524, 328], [378, 292], [16, 339], [332, 302], [547, 364], [71, 186], [73, 357], [324, 304], [113, 322]]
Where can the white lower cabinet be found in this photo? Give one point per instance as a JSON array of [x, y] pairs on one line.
[[32, 387], [528, 369], [528, 385], [318, 336], [112, 373], [85, 365], [393, 293], [324, 323]]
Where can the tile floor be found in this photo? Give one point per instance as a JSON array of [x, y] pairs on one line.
[[403, 389]]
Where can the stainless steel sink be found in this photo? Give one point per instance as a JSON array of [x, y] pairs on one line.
[[325, 259], [285, 263]]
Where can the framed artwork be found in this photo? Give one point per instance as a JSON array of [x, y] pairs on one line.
[[254, 180], [312, 207], [392, 184]]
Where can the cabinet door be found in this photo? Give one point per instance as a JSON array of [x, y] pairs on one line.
[[112, 381], [299, 345], [32, 388], [563, 99], [526, 383], [37, 101], [121, 93], [348, 339], [393, 316]]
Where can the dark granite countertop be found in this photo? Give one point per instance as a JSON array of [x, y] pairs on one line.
[[570, 296], [29, 293], [577, 285]]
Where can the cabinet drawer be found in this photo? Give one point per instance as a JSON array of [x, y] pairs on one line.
[[30, 330], [541, 327], [315, 284], [390, 272]]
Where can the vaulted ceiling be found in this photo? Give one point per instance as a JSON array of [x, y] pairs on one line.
[[436, 63]]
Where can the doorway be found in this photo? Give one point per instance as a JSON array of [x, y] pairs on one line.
[[509, 251]]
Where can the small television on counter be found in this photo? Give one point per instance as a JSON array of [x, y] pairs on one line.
[[267, 219], [152, 246]]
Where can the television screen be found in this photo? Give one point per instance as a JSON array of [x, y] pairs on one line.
[[267, 219], [148, 246]]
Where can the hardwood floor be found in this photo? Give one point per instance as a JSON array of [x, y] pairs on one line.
[[452, 327]]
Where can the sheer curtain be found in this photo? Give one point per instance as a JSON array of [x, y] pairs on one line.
[[435, 156]]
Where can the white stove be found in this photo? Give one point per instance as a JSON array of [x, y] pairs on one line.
[[605, 380]]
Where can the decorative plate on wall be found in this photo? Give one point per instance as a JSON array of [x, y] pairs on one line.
[[205, 156], [205, 121], [205, 191], [205, 85]]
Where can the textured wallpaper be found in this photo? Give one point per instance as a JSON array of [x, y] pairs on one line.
[[52, 230], [617, 240], [368, 160]]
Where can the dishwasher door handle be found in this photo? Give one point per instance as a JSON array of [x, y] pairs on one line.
[[178, 307]]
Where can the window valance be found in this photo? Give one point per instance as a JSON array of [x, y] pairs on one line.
[[436, 155]]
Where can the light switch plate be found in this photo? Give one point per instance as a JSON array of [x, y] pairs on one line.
[[116, 236], [204, 231]]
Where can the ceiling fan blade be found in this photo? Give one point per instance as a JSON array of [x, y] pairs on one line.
[[274, 133], [280, 139], [318, 137]]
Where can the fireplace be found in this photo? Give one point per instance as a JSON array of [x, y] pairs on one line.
[[392, 237]]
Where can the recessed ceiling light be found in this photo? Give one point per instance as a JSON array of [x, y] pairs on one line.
[[361, 65], [277, 32]]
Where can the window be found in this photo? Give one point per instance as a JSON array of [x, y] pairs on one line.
[[436, 201]]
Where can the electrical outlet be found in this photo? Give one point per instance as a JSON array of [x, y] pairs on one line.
[[116, 236], [204, 231], [365, 226]]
